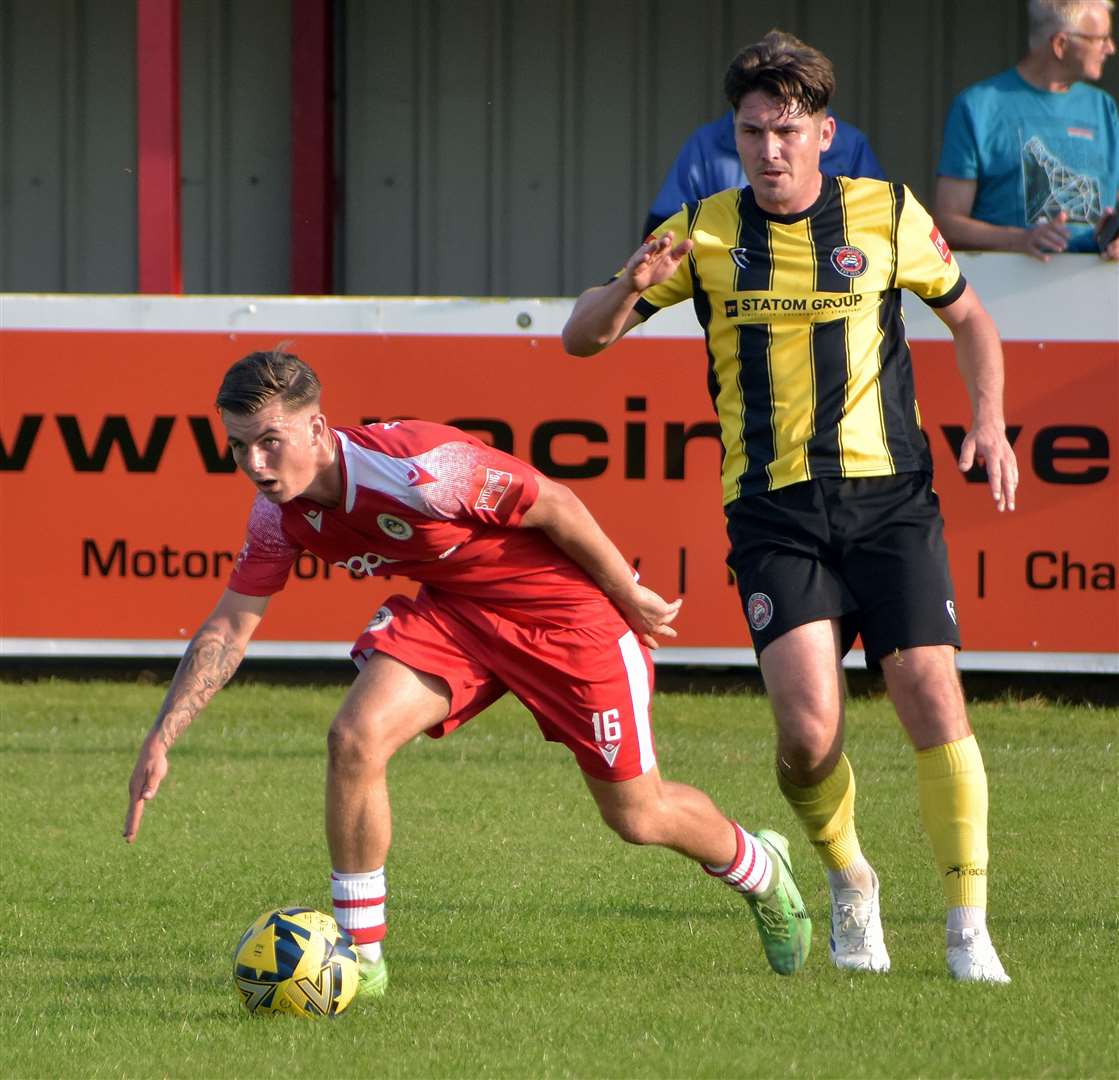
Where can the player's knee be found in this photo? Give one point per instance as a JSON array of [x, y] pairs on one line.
[[809, 749], [927, 694], [353, 746]]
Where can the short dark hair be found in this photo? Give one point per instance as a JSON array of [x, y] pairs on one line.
[[259, 377], [782, 67]]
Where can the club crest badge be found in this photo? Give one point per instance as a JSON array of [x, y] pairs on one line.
[[849, 261], [740, 257], [759, 610], [394, 527], [380, 620]]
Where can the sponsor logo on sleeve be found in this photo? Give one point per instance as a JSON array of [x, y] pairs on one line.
[[493, 489], [941, 245], [849, 261]]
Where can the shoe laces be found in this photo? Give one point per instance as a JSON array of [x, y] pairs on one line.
[[847, 922], [852, 919], [773, 918]]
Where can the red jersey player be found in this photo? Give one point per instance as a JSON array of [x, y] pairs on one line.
[[521, 591]]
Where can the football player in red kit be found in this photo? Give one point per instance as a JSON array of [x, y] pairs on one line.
[[520, 591]]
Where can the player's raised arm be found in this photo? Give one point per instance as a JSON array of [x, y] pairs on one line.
[[209, 662], [562, 515], [979, 356], [604, 313]]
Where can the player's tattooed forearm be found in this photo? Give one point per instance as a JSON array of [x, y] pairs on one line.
[[206, 666]]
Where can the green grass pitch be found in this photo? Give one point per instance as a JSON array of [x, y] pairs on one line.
[[524, 939]]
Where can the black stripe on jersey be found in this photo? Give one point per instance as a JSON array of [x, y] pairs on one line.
[[897, 197], [753, 240], [828, 229], [701, 302], [908, 447], [895, 381], [829, 383], [755, 385], [756, 389]]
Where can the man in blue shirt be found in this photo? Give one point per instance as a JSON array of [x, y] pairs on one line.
[[708, 162], [1030, 161]]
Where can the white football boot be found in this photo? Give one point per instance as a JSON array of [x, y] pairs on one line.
[[972, 958], [856, 941]]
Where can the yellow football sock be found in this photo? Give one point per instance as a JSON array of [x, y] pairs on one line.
[[952, 789], [827, 814]]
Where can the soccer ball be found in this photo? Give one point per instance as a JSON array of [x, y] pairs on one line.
[[295, 961]]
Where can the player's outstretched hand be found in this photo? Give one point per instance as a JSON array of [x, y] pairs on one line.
[[151, 768], [650, 616], [988, 446], [655, 261]]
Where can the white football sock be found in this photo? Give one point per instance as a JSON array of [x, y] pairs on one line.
[[965, 918], [359, 906], [858, 876], [751, 870]]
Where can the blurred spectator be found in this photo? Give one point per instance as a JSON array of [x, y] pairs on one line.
[[1030, 160], [708, 162]]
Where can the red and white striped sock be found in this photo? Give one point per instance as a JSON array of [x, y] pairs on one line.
[[751, 870], [359, 908]]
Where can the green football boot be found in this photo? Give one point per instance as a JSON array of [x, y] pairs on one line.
[[372, 980], [783, 923]]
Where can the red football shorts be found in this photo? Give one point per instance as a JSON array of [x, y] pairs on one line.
[[589, 687]]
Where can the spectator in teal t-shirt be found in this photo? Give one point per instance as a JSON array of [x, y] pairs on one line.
[[1030, 160]]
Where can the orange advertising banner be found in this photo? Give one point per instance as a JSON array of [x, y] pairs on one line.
[[121, 511]]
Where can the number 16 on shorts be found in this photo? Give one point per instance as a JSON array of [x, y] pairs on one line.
[[607, 733]]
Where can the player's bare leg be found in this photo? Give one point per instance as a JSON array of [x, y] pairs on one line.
[[651, 810], [952, 787], [804, 679], [387, 705]]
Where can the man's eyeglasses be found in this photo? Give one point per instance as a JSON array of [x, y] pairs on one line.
[[1095, 39]]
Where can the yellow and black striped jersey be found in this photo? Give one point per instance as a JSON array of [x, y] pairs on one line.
[[808, 366]]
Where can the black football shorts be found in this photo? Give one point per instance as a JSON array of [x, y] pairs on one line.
[[869, 552]]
